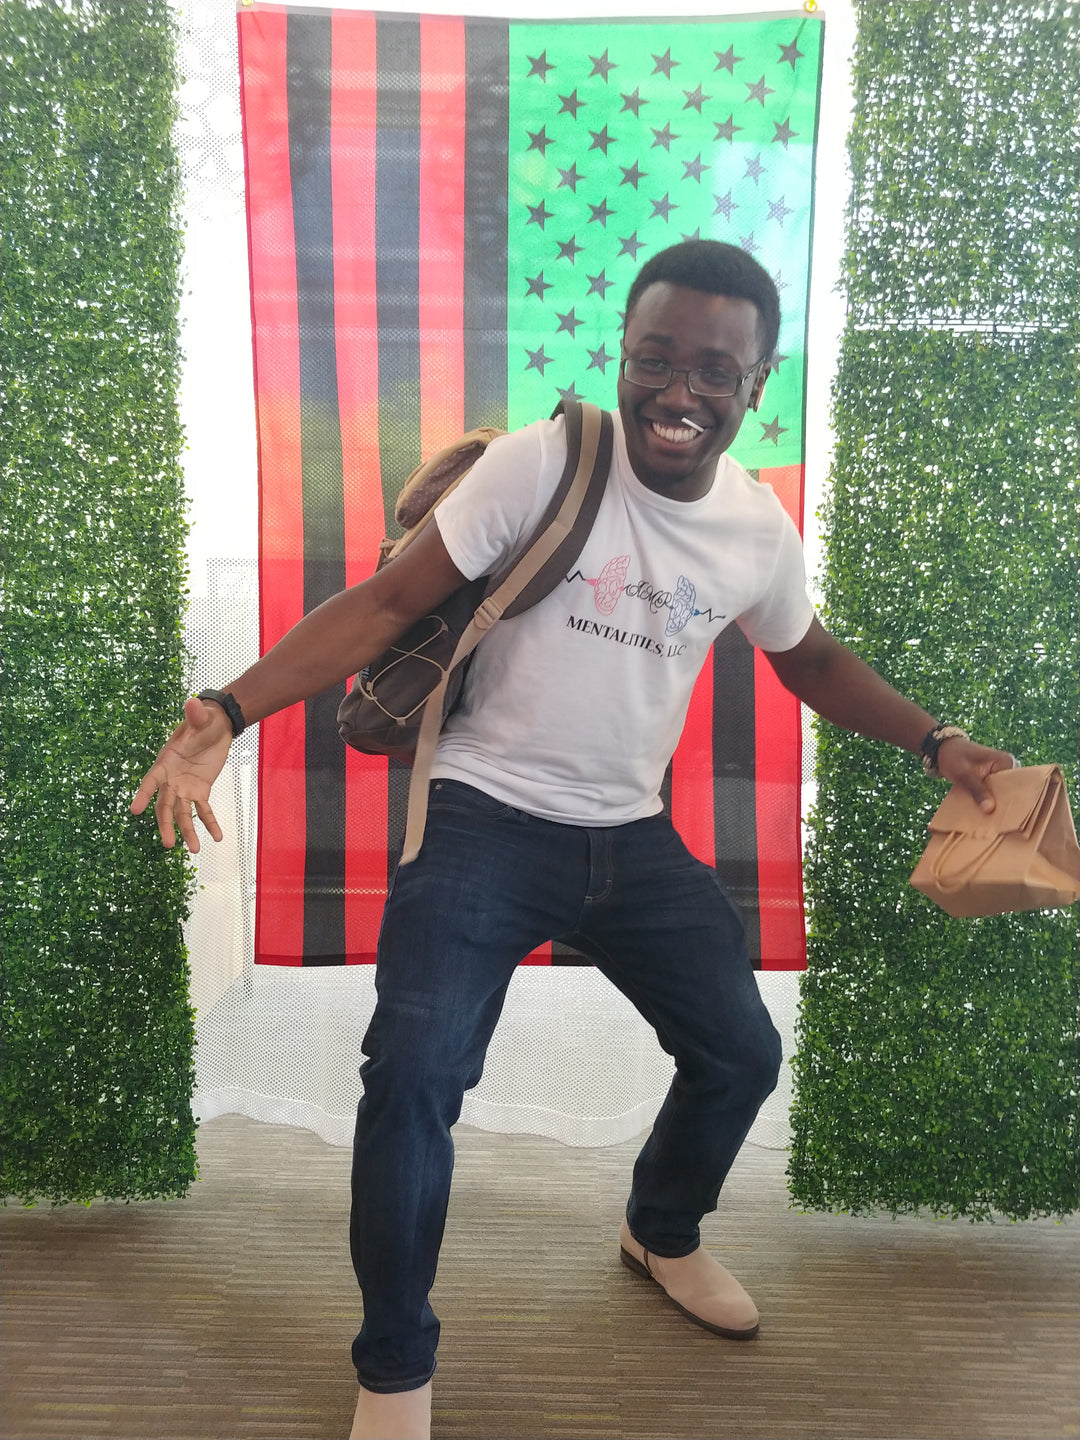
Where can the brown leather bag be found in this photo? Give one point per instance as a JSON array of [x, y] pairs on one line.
[[1022, 856], [397, 705]]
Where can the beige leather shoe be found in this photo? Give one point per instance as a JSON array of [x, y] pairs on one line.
[[405, 1415], [697, 1285]]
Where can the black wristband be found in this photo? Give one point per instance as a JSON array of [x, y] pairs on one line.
[[932, 742], [231, 708]]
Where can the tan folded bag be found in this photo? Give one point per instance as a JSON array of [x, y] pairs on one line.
[[1022, 856]]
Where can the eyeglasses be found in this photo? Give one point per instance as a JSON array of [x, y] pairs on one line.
[[710, 381]]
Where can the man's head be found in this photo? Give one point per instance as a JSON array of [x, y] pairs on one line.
[[715, 269], [702, 320]]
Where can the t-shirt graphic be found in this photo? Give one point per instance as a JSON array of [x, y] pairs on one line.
[[682, 607], [610, 584]]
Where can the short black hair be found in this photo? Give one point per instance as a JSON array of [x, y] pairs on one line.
[[716, 269]]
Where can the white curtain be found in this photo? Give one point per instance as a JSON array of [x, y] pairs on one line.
[[571, 1059]]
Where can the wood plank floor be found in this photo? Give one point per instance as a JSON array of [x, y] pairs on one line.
[[229, 1314]]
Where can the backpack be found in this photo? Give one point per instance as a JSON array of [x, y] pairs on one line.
[[397, 704]]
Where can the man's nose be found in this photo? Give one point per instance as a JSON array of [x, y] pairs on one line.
[[677, 391]]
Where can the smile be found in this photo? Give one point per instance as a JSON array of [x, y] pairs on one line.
[[674, 434]]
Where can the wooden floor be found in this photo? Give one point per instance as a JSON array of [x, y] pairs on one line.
[[229, 1314]]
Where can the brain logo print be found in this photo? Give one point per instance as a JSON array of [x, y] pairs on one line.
[[608, 585], [682, 608]]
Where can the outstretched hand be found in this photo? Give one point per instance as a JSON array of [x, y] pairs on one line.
[[186, 767], [968, 764]]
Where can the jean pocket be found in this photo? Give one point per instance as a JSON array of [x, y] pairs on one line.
[[454, 796]]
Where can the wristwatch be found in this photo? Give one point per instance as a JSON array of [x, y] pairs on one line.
[[229, 705]]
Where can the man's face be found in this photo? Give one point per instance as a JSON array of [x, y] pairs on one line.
[[690, 330]]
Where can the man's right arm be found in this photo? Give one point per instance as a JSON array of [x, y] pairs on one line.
[[349, 630], [334, 641]]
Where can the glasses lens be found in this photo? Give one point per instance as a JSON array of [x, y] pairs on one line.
[[654, 374], [713, 383]]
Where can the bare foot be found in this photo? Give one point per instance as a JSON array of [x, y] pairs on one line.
[[405, 1415]]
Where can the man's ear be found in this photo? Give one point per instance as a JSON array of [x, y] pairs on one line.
[[759, 388]]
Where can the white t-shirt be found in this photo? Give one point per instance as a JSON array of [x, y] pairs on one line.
[[571, 710]]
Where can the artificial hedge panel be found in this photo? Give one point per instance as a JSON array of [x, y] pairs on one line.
[[937, 1064], [97, 1070]]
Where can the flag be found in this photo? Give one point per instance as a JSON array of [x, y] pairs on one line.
[[445, 215]]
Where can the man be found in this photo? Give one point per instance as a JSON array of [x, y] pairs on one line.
[[545, 820]]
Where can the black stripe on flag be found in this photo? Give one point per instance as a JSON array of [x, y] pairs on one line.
[[734, 777], [308, 90], [397, 284]]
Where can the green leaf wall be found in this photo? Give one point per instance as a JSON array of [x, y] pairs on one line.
[[97, 1069], [937, 1063]]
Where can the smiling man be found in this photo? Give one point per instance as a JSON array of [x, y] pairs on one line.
[[693, 363], [545, 820]]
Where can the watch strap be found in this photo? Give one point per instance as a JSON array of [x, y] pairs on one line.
[[228, 703]]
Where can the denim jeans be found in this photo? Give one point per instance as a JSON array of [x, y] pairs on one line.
[[489, 885]]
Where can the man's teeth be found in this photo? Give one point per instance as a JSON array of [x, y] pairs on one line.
[[675, 434]]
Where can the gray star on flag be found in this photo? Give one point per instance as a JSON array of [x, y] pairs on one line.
[[759, 90]]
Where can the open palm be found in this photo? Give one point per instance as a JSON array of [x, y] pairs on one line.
[[182, 775]]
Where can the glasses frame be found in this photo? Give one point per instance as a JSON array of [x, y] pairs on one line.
[[673, 371]]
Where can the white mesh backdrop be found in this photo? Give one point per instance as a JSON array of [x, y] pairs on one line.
[[571, 1059]]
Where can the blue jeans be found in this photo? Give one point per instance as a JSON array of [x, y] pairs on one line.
[[489, 885]]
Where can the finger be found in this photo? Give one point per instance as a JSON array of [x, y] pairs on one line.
[[980, 795], [154, 778], [196, 713], [206, 815], [1001, 761], [145, 793], [163, 814], [185, 821], [186, 825], [973, 784]]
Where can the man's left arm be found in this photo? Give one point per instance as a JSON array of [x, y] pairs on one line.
[[833, 681]]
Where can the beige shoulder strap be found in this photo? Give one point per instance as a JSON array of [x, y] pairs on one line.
[[493, 607]]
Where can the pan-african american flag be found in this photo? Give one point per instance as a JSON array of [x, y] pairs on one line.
[[445, 215]]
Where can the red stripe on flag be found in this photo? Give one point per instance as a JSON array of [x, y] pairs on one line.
[[787, 482], [356, 330], [778, 788], [279, 930], [692, 774], [442, 231], [777, 802]]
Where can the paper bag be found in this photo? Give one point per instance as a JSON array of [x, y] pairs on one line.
[[1022, 856]]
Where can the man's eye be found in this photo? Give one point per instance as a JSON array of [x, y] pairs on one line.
[[651, 365], [717, 377]]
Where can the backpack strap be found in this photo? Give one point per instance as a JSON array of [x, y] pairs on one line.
[[571, 512], [555, 545]]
